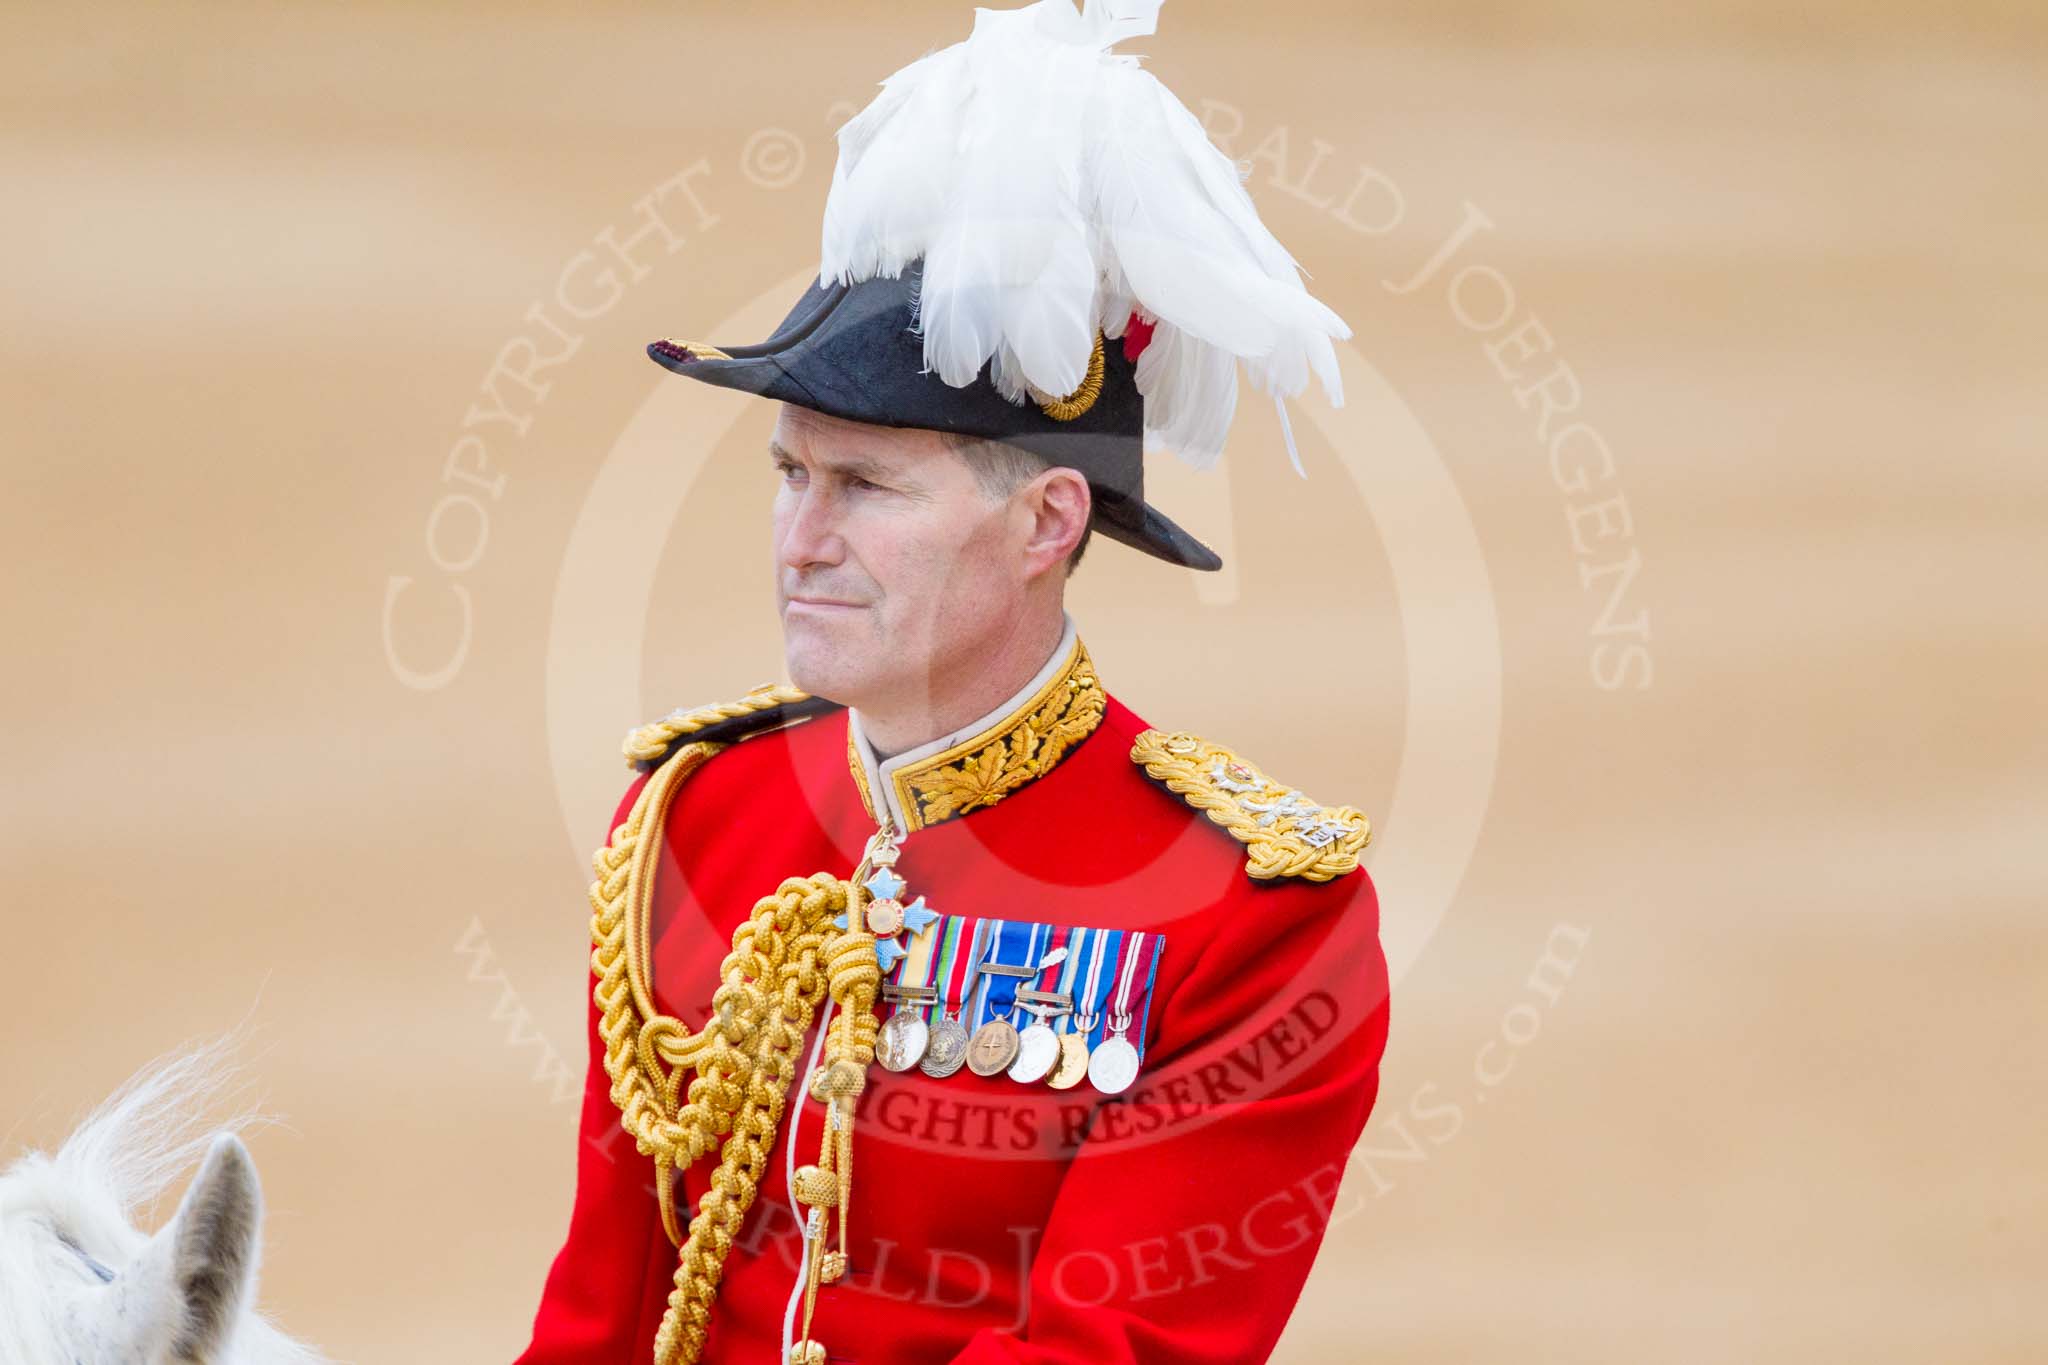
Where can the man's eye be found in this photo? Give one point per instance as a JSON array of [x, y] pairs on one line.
[[865, 486]]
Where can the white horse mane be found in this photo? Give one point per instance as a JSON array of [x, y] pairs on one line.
[[79, 1282]]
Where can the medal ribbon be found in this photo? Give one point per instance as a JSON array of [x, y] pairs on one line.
[[1133, 948], [1090, 1002], [965, 969], [949, 962], [1070, 972], [1049, 977], [916, 967], [1153, 952], [1012, 948]]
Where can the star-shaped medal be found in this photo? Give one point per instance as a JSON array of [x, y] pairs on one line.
[[887, 917]]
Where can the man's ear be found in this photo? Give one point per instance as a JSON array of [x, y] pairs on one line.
[[1058, 502]]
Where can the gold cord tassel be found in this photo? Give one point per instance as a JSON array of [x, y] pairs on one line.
[[740, 1066]]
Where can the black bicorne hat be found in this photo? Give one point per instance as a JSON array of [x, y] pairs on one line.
[[1030, 239], [855, 351]]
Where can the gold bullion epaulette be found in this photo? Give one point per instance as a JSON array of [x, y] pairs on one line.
[[771, 706], [1284, 833]]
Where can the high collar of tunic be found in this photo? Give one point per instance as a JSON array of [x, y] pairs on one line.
[[980, 763]]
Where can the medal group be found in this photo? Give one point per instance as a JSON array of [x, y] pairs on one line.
[[1039, 1003]]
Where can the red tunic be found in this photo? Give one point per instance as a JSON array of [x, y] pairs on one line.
[[992, 1221]]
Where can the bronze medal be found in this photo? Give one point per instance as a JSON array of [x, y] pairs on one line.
[[993, 1049], [997, 1044]]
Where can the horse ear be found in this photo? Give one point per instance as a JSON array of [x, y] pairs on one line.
[[215, 1242]]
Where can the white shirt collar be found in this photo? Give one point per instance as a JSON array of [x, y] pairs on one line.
[[881, 773]]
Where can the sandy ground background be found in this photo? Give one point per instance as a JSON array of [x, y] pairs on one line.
[[1785, 1103]]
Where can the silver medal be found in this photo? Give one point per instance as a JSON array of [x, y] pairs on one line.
[[947, 1050], [902, 1041], [1113, 1065], [946, 1053], [1038, 1047]]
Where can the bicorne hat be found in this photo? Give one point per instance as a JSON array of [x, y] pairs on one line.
[[1030, 239]]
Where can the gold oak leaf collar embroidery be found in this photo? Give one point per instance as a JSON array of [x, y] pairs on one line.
[[979, 771]]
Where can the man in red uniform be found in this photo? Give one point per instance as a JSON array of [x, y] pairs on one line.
[[942, 1008]]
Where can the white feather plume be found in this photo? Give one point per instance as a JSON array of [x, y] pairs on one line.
[[1053, 189]]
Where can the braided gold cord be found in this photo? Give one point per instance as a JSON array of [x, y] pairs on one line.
[[650, 741], [785, 957], [1085, 393], [1275, 845]]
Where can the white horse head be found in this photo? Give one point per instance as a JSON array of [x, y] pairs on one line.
[[79, 1283]]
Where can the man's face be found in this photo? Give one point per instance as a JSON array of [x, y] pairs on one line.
[[893, 569]]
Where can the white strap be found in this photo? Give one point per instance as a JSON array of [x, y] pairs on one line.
[[796, 1114]]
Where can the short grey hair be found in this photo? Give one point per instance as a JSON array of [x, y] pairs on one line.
[[1001, 469]]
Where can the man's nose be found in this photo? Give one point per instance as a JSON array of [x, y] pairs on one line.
[[810, 535]]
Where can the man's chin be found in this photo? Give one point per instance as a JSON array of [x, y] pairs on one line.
[[817, 668]]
